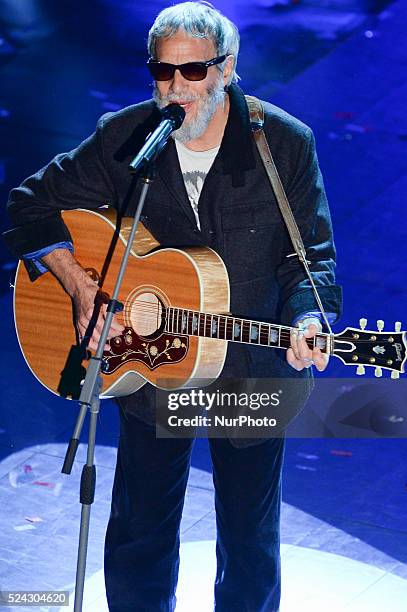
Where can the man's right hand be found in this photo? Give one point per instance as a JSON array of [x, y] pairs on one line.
[[83, 291]]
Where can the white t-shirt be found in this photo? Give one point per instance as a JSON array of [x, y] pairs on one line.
[[195, 165]]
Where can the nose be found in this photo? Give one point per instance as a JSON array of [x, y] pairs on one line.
[[178, 79]]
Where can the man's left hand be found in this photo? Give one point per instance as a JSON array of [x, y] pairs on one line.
[[299, 356]]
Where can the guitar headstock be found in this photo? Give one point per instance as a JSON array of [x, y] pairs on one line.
[[377, 349]]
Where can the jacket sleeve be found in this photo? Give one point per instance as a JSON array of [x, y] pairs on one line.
[[78, 179], [307, 198]]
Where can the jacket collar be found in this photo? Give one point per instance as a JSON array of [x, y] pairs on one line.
[[236, 152], [235, 157]]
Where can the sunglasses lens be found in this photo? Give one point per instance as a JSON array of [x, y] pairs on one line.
[[161, 71], [194, 72]]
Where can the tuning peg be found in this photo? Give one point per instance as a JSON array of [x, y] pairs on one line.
[[362, 323], [380, 325], [395, 374], [360, 370], [378, 372], [397, 326]]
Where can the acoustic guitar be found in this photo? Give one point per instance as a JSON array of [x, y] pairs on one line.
[[176, 315]]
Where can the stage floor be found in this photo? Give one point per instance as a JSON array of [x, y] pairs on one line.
[[40, 518]]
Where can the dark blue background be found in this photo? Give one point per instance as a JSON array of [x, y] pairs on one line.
[[338, 66]]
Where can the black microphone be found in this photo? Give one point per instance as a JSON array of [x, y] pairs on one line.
[[173, 116]]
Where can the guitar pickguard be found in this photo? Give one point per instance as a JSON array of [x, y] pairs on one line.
[[153, 353]]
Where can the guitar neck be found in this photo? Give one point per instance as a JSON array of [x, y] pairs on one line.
[[234, 329]]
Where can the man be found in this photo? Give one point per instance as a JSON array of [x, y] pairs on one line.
[[210, 189]]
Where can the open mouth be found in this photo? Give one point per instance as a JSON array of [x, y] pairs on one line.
[[186, 105]]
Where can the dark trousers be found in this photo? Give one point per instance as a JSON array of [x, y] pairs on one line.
[[142, 540]]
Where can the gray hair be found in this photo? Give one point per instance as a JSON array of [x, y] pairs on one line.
[[200, 20]]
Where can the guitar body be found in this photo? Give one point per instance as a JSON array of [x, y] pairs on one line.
[[194, 278]]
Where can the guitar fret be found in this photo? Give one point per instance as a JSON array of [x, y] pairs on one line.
[[237, 329], [195, 326], [263, 334], [274, 335], [255, 332], [228, 328], [215, 326], [235, 332], [222, 327], [245, 331]]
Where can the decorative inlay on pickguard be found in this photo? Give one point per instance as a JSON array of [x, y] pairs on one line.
[[167, 348]]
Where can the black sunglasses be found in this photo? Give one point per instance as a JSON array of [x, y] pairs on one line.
[[192, 71]]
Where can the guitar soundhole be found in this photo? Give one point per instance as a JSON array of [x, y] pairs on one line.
[[146, 314]]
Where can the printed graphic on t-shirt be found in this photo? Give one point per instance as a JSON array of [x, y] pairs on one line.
[[195, 166], [194, 181]]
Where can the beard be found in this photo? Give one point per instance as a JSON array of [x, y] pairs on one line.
[[206, 106]]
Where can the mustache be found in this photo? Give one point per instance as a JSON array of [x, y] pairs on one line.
[[173, 97]]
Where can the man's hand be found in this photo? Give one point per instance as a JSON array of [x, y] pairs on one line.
[[82, 289], [299, 356], [84, 299]]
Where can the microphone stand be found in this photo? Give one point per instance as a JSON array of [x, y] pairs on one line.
[[91, 389]]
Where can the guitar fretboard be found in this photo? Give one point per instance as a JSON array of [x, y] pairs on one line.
[[234, 329]]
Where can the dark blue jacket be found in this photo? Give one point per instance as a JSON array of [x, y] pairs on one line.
[[238, 212]]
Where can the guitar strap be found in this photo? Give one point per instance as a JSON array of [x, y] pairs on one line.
[[257, 121]]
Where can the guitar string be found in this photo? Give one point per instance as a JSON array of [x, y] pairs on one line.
[[229, 328], [150, 305], [284, 340], [284, 333], [147, 307]]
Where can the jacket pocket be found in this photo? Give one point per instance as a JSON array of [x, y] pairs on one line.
[[251, 241]]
